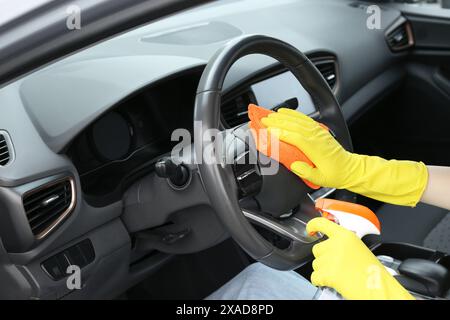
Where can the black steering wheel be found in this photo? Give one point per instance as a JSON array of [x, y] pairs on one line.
[[281, 202]]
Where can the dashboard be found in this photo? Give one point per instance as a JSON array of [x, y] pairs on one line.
[[124, 143]]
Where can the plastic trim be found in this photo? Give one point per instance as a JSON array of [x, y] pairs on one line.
[[409, 32]]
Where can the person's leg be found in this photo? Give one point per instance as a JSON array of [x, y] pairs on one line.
[[259, 282]]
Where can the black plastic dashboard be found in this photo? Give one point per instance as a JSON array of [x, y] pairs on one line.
[[123, 144]]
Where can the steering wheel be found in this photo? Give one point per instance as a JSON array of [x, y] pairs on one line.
[[281, 201]]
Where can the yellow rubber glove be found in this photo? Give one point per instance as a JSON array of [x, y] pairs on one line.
[[344, 263], [393, 181]]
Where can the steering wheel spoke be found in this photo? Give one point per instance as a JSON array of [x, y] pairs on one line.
[[292, 228]]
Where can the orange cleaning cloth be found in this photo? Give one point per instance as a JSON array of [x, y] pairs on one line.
[[287, 154]]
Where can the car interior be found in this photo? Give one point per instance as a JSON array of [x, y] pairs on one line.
[[88, 176]]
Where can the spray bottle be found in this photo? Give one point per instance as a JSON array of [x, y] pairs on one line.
[[354, 217]]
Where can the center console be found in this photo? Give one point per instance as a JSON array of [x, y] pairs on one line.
[[424, 272]]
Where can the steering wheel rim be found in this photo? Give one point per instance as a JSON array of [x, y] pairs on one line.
[[219, 181]]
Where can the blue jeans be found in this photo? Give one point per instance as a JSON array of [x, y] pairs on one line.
[[259, 282]]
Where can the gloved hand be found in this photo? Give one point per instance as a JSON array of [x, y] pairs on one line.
[[344, 263], [393, 181]]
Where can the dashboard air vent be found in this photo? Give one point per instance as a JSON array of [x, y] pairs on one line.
[[49, 205], [234, 111], [5, 153], [328, 70], [400, 36]]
